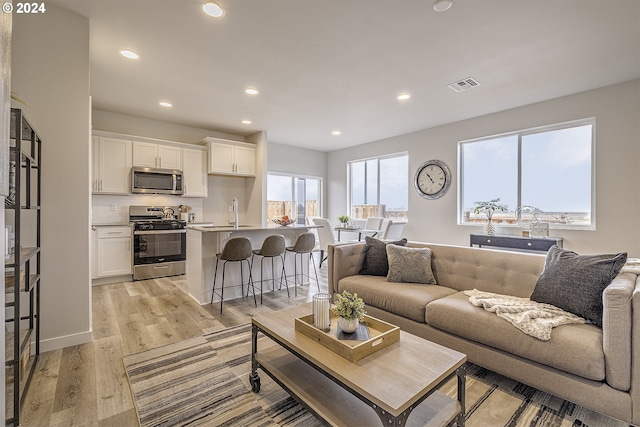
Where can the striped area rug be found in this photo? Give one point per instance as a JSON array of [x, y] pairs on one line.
[[203, 381]]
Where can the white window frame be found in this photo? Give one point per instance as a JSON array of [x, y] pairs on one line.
[[301, 176], [520, 134], [366, 159]]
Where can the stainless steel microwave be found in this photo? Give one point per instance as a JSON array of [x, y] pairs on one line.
[[156, 181]]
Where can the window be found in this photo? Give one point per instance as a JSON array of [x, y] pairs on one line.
[[379, 187], [294, 196], [548, 168]]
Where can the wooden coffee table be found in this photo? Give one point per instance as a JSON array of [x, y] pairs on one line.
[[395, 386]]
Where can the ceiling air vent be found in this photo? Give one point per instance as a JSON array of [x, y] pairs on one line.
[[464, 84]]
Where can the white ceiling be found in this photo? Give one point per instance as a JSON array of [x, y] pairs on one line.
[[324, 65]]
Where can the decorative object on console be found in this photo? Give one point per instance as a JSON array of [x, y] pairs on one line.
[[322, 312], [409, 265], [350, 308], [432, 179], [344, 219], [489, 208], [375, 261], [575, 283]]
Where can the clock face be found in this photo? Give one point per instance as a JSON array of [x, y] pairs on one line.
[[432, 179]]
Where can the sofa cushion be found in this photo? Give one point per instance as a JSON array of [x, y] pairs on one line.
[[375, 261], [411, 265], [575, 283], [576, 349], [405, 299]]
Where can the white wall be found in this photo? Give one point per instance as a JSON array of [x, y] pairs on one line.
[[617, 112], [50, 71], [296, 160], [300, 161]]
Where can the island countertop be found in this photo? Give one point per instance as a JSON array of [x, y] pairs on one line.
[[205, 241], [228, 228]]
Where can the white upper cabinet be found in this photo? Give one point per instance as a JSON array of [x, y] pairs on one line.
[[111, 165], [194, 172], [231, 158], [146, 154]]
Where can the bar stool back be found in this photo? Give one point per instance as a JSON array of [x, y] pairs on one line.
[[237, 249], [272, 247], [304, 245]]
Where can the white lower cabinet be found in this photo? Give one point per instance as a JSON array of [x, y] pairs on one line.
[[112, 246]]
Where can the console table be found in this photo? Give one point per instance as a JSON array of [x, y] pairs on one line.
[[515, 242]]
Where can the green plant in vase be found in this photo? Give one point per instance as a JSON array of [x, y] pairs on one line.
[[350, 308], [488, 209], [344, 219]]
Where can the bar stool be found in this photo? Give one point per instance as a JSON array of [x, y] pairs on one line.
[[304, 245], [237, 249], [272, 247]]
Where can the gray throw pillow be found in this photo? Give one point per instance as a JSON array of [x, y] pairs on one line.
[[375, 257], [410, 265], [575, 283]]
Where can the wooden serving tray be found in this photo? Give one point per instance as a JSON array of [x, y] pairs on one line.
[[382, 334]]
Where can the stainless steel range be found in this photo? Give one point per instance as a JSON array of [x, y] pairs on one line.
[[159, 242]]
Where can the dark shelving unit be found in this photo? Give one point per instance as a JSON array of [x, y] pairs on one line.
[[22, 263]]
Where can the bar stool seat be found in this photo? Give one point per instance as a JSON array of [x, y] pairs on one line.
[[237, 249], [272, 247], [305, 243]]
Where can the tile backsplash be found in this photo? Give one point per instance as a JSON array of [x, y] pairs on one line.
[[114, 209]]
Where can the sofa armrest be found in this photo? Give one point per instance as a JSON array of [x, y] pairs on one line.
[[617, 322], [635, 355], [343, 260]]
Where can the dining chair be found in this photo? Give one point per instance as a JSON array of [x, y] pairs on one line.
[[325, 236], [393, 231]]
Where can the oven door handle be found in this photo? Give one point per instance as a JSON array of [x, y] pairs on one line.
[[142, 232]]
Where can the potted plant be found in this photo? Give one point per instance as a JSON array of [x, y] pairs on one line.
[[350, 308], [488, 209], [343, 220]]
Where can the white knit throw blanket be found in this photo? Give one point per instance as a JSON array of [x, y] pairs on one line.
[[631, 266], [532, 318]]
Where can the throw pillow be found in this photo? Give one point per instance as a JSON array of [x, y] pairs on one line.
[[575, 283], [375, 257], [410, 265]]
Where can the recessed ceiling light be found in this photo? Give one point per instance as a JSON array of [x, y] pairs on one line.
[[246, 122], [336, 132], [213, 9], [129, 54], [442, 5], [403, 96], [165, 104], [251, 91]]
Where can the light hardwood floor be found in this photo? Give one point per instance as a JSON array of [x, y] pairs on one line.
[[86, 385]]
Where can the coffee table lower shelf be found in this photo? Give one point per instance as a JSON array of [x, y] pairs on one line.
[[334, 404]]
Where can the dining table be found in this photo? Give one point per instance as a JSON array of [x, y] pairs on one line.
[[355, 229]]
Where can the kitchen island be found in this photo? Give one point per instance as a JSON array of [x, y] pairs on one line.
[[203, 243]]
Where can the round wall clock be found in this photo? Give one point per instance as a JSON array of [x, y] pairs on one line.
[[432, 179]]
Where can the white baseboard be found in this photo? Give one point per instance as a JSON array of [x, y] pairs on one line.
[[64, 341]]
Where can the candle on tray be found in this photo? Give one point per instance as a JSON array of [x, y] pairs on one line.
[[322, 311]]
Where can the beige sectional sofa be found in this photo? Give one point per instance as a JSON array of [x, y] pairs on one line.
[[591, 366]]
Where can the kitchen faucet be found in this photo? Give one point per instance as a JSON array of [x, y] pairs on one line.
[[234, 206]]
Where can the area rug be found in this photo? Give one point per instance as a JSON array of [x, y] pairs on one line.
[[203, 381]]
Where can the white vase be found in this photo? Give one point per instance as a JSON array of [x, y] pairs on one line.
[[348, 326], [489, 228]]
